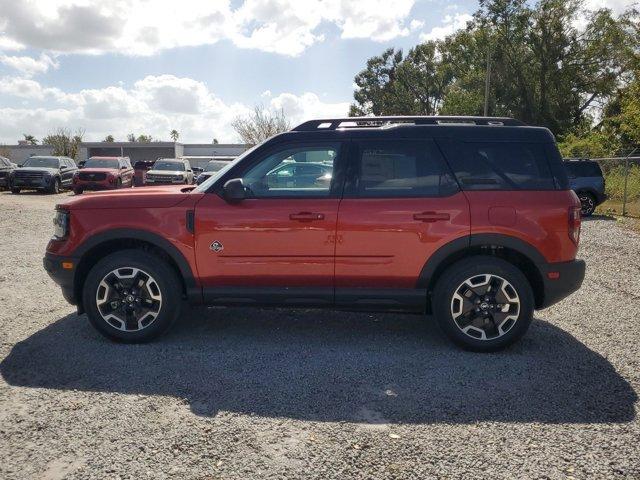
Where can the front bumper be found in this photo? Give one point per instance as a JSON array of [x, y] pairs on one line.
[[29, 184], [164, 182], [94, 186], [62, 276], [560, 280]]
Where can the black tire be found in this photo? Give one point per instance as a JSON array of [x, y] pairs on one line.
[[78, 191], [15, 191], [119, 184], [55, 186], [167, 282], [474, 267], [587, 203]]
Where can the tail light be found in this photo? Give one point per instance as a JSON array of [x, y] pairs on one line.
[[575, 221]]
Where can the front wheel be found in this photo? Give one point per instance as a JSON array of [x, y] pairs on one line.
[[55, 186], [15, 191], [483, 303], [132, 296], [587, 204]]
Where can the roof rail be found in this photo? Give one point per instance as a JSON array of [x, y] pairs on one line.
[[376, 122]]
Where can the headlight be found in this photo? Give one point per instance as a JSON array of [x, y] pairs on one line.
[[61, 224]]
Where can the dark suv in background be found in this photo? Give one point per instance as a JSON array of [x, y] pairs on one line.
[[43, 173], [586, 179], [6, 167]]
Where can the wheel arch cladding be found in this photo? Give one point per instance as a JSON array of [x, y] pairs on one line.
[[517, 252], [101, 245]]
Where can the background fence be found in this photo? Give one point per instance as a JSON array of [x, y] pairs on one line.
[[622, 183]]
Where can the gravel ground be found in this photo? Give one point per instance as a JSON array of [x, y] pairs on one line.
[[240, 393]]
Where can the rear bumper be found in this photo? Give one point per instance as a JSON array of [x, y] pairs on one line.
[[560, 280], [62, 276]]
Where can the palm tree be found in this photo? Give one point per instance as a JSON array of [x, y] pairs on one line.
[[30, 139], [175, 135], [109, 139]]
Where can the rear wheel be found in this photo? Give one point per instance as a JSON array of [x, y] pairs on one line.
[[15, 190], [483, 303], [119, 183], [587, 203], [78, 191], [132, 296]]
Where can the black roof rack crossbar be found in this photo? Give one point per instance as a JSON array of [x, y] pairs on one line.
[[364, 122]]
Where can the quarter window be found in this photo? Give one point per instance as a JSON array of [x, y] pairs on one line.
[[300, 171], [501, 166]]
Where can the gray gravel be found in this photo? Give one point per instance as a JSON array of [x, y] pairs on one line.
[[240, 393]]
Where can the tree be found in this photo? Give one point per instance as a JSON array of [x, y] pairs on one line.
[[63, 142], [547, 68], [30, 139], [131, 137], [144, 138], [215, 141], [174, 135], [109, 139], [260, 125]]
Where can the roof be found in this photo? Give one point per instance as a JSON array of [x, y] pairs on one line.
[[387, 121]]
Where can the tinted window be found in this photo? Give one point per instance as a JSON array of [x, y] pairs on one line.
[[501, 166], [406, 168], [295, 171], [583, 169]]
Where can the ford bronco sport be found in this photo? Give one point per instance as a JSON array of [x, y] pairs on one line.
[[469, 219]]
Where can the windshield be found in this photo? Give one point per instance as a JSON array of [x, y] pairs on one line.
[[101, 163], [214, 166], [41, 162], [204, 186], [167, 165]]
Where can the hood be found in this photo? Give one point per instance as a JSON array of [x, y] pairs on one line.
[[112, 171], [36, 169], [127, 198], [166, 172]]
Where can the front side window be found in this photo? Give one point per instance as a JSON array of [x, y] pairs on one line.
[[400, 168], [295, 171]]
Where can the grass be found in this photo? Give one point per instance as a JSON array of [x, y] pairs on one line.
[[614, 184]]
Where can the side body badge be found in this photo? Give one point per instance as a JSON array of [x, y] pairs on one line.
[[216, 246]]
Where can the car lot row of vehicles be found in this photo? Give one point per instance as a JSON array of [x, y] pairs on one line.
[[52, 174]]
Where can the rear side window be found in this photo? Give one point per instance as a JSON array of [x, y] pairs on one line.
[[501, 166], [583, 169], [400, 168]]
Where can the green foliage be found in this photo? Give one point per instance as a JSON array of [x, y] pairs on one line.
[[109, 139], [614, 183], [544, 69], [174, 134], [63, 142], [30, 139]]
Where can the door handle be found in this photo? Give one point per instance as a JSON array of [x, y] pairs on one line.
[[306, 216], [430, 217]]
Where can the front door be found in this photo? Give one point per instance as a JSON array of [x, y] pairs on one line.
[[279, 243], [400, 205]]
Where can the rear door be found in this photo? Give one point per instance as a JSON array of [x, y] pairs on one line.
[[66, 174], [400, 205]]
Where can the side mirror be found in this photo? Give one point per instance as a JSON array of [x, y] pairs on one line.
[[234, 191]]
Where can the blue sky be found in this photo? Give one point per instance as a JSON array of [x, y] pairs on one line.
[[142, 66]]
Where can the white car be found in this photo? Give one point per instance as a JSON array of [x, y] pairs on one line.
[[170, 171]]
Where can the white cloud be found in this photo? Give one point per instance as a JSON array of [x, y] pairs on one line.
[[307, 106], [30, 66], [140, 27], [153, 105], [617, 6], [451, 23]]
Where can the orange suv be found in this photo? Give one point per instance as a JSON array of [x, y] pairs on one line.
[[468, 219]]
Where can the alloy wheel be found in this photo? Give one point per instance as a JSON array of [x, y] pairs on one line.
[[128, 299], [587, 204], [485, 307]]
